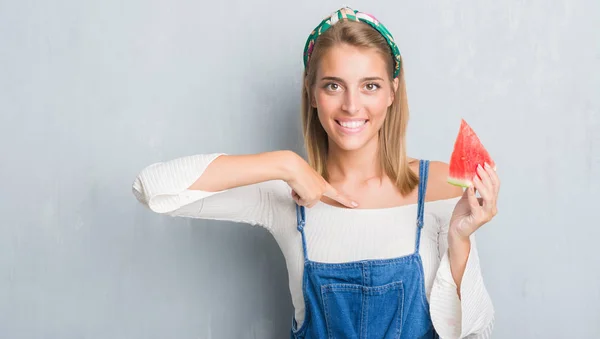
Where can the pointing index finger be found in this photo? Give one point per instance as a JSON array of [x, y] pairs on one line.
[[342, 199]]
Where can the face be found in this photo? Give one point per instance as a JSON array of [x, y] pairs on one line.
[[352, 92]]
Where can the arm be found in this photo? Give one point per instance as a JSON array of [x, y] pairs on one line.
[[458, 247], [460, 304], [466, 311], [458, 254], [242, 188], [231, 171]]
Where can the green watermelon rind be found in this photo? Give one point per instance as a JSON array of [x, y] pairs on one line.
[[459, 182], [462, 182]]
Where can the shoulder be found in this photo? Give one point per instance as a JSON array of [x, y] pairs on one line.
[[438, 187]]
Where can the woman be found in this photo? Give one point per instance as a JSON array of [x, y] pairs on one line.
[[377, 245]]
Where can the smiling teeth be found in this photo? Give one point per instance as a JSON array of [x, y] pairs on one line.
[[352, 124]]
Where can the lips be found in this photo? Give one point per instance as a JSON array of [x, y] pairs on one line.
[[351, 126]]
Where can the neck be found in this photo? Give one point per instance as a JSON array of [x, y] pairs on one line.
[[355, 165]]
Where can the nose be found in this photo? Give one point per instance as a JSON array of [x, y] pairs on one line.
[[351, 102]]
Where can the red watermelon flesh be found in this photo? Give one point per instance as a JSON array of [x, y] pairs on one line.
[[467, 154]]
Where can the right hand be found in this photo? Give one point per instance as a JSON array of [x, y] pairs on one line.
[[308, 186]]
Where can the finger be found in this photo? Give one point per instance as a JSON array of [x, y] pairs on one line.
[[492, 205], [301, 202], [493, 177], [342, 199], [485, 178], [489, 202], [466, 193], [483, 190], [296, 197], [473, 201], [492, 186]]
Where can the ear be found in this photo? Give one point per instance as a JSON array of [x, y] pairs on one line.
[[393, 92]]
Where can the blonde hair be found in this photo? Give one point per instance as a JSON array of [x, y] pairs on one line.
[[392, 145]]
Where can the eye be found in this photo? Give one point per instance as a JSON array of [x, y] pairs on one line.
[[372, 87], [332, 86]]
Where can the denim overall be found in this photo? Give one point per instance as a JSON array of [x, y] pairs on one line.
[[368, 299]]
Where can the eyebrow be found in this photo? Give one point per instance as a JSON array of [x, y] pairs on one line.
[[341, 80]]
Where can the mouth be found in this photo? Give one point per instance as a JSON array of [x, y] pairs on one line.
[[353, 126]]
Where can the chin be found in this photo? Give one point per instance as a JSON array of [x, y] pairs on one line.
[[352, 143]]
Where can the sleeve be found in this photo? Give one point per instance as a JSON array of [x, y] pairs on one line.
[[472, 315], [163, 188]]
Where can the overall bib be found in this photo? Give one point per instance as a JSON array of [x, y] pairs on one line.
[[368, 299]]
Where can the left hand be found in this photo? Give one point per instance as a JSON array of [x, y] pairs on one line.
[[471, 212]]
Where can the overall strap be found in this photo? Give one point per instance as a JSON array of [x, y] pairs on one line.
[[423, 173], [301, 219]]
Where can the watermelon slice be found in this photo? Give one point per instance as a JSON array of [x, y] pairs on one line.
[[467, 154]]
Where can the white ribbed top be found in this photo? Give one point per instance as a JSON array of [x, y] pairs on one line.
[[333, 235]]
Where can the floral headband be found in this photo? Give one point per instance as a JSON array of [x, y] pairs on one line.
[[352, 15]]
